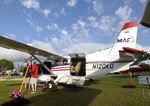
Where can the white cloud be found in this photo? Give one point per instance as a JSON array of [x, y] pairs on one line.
[[124, 12], [36, 27], [11, 35], [55, 26], [71, 3], [63, 32], [42, 45], [93, 21], [143, 47], [65, 38], [31, 4], [81, 23], [143, 1], [62, 12], [55, 10], [86, 48], [106, 23], [12, 55], [55, 14], [127, 2], [59, 12], [46, 12], [80, 30], [92, 18], [76, 40], [48, 27], [55, 41], [97, 7]]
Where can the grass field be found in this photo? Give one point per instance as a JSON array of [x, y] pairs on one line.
[[104, 91]]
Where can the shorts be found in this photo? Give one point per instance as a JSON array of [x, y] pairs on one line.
[[27, 80], [33, 81]]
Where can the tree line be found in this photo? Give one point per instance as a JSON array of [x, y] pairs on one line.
[[6, 65]]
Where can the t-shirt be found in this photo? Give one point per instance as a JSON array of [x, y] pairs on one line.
[[34, 71]]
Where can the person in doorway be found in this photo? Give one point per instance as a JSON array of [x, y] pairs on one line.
[[34, 76], [28, 76]]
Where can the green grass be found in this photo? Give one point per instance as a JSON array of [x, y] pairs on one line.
[[104, 91], [10, 77]]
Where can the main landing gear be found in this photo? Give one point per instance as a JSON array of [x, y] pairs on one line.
[[50, 85]]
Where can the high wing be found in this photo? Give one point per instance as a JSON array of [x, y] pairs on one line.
[[12, 44], [137, 53], [132, 54]]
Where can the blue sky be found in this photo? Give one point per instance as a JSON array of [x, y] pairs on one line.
[[66, 26]]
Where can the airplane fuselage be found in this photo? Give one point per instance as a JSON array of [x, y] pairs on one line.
[[97, 64]]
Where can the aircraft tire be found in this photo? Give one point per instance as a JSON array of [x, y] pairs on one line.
[[51, 85]]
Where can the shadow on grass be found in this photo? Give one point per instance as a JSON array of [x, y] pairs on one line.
[[17, 102], [90, 82], [67, 96], [128, 86]]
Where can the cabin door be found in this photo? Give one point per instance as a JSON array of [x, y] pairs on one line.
[[78, 66]]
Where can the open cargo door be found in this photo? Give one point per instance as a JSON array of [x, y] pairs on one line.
[[78, 65]]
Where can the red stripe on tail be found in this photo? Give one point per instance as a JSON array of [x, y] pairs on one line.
[[129, 25]]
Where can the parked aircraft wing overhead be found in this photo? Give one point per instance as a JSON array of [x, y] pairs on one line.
[[125, 56], [137, 53], [12, 44], [130, 54]]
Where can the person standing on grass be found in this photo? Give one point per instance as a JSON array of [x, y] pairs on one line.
[[34, 76], [28, 76]]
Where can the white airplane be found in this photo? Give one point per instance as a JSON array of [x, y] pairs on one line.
[[80, 67]]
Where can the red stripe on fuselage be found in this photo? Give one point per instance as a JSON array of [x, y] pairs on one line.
[[60, 67], [67, 68], [61, 70]]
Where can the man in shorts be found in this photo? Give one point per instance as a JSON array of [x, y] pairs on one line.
[[34, 77]]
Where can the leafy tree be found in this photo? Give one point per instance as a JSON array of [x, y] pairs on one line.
[[6, 65]]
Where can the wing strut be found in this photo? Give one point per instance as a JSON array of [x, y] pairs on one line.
[[42, 64]]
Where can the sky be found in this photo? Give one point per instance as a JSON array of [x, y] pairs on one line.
[[67, 26]]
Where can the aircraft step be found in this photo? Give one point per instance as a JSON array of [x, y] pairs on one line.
[[76, 80]]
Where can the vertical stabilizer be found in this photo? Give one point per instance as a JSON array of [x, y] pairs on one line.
[[127, 38]]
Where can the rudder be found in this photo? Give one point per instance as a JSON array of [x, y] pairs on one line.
[[127, 38]]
